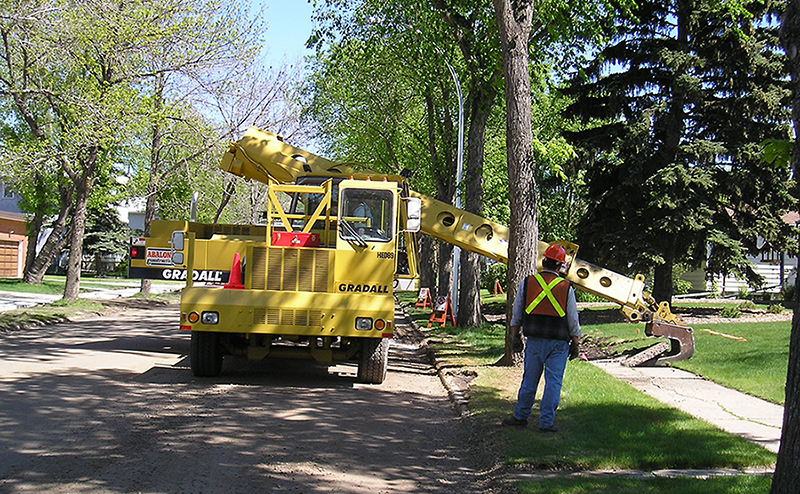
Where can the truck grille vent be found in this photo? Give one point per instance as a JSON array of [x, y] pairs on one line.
[[259, 268], [303, 270], [229, 230], [287, 317]]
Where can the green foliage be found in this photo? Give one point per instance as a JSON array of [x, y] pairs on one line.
[[105, 232], [680, 286], [747, 304], [495, 272], [587, 297], [743, 292], [730, 312], [789, 292], [778, 152], [669, 139], [775, 309]]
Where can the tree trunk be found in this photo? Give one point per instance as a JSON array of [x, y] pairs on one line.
[[34, 272], [72, 288], [662, 280], [445, 270], [428, 263], [227, 193], [155, 166], [34, 229], [470, 314], [514, 24], [787, 469], [83, 184]]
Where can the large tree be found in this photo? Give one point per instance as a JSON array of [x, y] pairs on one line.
[[382, 96], [514, 20], [787, 469], [677, 106], [533, 36]]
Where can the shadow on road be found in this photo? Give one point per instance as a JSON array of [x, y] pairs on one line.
[[71, 424]]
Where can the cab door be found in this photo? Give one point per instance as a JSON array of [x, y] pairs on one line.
[[366, 236]]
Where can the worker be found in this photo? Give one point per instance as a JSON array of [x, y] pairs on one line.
[[546, 312]]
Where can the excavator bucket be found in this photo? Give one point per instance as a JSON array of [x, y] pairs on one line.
[[679, 347]]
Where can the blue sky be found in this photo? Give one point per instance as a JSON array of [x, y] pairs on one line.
[[289, 23]]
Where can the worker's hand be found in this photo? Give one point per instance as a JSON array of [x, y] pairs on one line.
[[574, 350], [516, 344]]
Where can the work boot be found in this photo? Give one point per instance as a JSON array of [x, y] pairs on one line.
[[513, 421], [552, 428]]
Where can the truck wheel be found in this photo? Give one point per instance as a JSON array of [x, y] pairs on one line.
[[374, 360], [205, 356]]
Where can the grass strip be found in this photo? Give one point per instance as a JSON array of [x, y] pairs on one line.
[[56, 312], [756, 366], [606, 424], [740, 484]]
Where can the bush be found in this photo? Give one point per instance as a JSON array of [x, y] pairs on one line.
[[680, 287], [730, 312], [747, 304], [581, 296], [775, 309]]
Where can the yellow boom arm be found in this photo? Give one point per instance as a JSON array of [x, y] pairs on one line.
[[263, 156]]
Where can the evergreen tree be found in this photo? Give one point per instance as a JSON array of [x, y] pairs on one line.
[[677, 105]]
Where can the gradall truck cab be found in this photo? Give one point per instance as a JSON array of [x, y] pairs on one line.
[[317, 279]]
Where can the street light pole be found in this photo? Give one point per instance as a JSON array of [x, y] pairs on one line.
[[459, 166]]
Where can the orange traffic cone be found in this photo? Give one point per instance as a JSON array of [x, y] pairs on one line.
[[235, 279]]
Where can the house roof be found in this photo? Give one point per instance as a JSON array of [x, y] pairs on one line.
[[9, 215], [792, 217]]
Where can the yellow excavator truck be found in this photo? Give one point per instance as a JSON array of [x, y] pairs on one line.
[[316, 279]]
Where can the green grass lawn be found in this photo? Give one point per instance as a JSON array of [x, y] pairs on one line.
[[48, 286], [623, 485], [756, 366], [607, 424], [54, 285]]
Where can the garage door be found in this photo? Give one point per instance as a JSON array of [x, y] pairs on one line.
[[9, 260]]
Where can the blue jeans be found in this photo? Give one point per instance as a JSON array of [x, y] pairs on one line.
[[549, 356]]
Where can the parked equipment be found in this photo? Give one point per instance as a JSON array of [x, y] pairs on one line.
[[316, 280]]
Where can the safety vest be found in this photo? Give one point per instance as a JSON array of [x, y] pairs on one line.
[[546, 295]]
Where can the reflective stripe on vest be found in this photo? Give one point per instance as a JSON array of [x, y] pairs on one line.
[[547, 292]]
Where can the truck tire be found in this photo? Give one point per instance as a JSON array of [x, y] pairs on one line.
[[205, 356], [374, 360]]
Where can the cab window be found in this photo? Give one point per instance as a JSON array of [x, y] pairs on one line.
[[367, 214]]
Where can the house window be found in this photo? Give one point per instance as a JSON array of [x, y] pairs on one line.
[[7, 191]]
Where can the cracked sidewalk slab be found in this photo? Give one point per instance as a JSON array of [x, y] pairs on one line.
[[754, 419]]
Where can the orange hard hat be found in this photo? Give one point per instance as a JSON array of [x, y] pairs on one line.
[[556, 253]]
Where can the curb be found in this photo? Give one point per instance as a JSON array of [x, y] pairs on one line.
[[458, 395]]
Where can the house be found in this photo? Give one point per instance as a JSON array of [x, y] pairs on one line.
[[778, 269], [13, 244]]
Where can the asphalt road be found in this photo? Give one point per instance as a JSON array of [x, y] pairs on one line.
[[110, 405]]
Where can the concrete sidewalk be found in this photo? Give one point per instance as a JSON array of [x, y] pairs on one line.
[[755, 420], [22, 300]]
